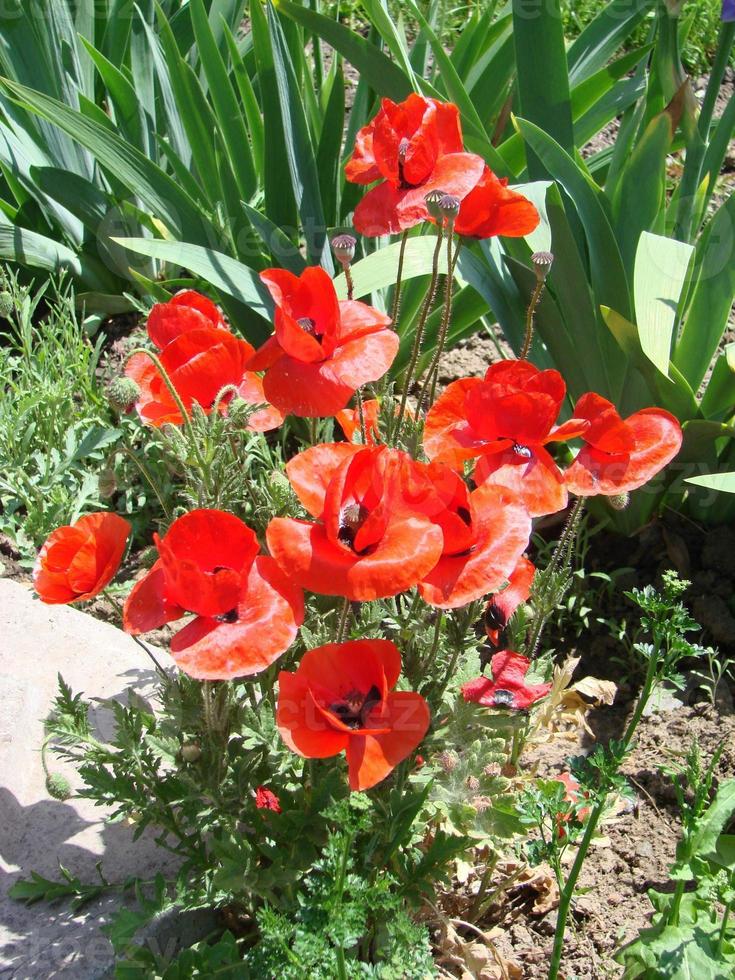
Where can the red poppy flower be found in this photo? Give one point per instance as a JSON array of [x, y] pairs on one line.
[[77, 562], [341, 699], [413, 147], [506, 419], [187, 310], [323, 350], [503, 604], [507, 689], [492, 208], [266, 799], [485, 532], [370, 539], [246, 610], [620, 455]]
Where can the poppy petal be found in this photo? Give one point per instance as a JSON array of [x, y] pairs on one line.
[[304, 389], [535, 478], [455, 174], [448, 437], [148, 606], [502, 528], [492, 208], [377, 212], [357, 665], [371, 758], [311, 470], [251, 391], [657, 436], [301, 725], [407, 552], [270, 612], [364, 359]]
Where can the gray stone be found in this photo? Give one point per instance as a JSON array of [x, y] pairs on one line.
[[37, 832]]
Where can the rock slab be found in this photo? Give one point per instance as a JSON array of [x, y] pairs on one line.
[[37, 642]]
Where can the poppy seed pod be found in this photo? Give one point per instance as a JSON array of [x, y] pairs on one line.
[[123, 393], [449, 207], [343, 247], [432, 203], [619, 501], [542, 263]]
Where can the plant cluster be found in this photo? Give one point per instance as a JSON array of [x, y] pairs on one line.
[[331, 739]]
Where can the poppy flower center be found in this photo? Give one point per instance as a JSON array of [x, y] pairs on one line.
[[523, 451], [494, 617], [402, 153], [464, 515], [228, 617], [503, 698], [351, 519], [354, 708], [309, 326]]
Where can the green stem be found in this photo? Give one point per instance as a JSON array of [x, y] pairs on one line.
[[419, 336], [433, 372], [340, 887], [399, 277], [342, 622], [567, 893], [530, 313], [117, 605], [723, 927], [361, 415]]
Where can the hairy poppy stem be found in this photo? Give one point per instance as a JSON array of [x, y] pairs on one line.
[[530, 314], [342, 622], [186, 417], [361, 414], [349, 280], [433, 373], [399, 276], [419, 336]]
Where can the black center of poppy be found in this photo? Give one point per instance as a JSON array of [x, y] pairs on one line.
[[354, 709], [523, 451], [503, 698], [351, 520], [309, 326], [228, 617], [464, 515], [495, 619]]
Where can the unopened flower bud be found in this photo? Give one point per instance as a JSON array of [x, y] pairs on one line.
[[6, 305], [619, 501], [191, 752], [58, 786], [449, 207], [123, 393], [432, 200], [343, 247], [448, 761], [542, 263], [239, 411]]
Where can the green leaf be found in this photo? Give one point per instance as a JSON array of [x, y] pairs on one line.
[[377, 11], [719, 397], [609, 280], [660, 274], [711, 298], [299, 150], [226, 274], [378, 270], [166, 200], [722, 482], [597, 43], [543, 78], [283, 251], [229, 118], [330, 143], [714, 820], [380, 73]]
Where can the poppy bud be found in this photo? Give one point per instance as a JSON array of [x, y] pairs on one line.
[[432, 200], [191, 752], [343, 247], [542, 263], [239, 411], [619, 501], [449, 207], [6, 305], [58, 786], [123, 393]]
